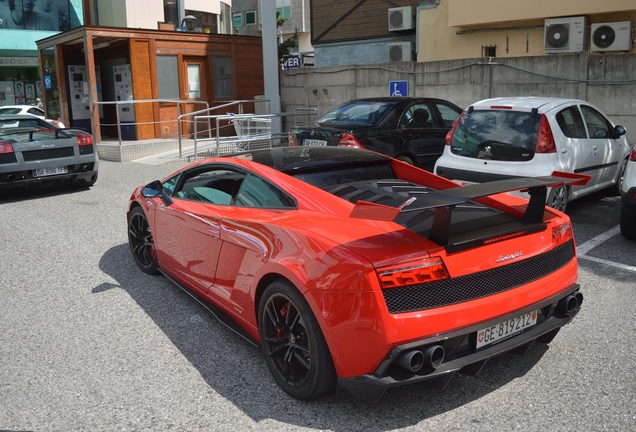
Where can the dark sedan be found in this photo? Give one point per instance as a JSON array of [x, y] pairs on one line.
[[412, 130]]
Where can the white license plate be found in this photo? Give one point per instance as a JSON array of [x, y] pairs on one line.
[[43, 172], [505, 329], [314, 142]]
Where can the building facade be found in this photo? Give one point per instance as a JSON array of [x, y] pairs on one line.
[[22, 23], [247, 19], [376, 31]]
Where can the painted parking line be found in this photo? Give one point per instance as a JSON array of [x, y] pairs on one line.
[[584, 248]]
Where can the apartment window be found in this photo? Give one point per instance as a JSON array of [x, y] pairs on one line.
[[284, 8], [237, 19], [223, 84], [489, 51], [168, 77], [250, 17]]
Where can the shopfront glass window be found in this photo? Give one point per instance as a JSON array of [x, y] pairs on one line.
[[223, 84], [168, 76], [44, 15]]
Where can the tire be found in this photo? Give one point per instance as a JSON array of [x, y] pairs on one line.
[[558, 198], [141, 241], [619, 178], [628, 225], [406, 159], [293, 344]]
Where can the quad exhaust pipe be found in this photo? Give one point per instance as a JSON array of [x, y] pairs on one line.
[[570, 303], [414, 360]]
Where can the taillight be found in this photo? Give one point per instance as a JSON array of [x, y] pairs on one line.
[[632, 155], [561, 234], [451, 132], [421, 271], [348, 140], [291, 138], [545, 139], [84, 140], [5, 147]]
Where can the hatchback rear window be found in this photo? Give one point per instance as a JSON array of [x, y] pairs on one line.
[[361, 113], [497, 135]]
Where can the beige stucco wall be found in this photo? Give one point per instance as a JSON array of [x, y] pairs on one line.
[[515, 31], [472, 13]]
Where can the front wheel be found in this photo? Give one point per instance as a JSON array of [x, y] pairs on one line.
[[558, 198], [141, 242], [406, 159], [293, 344]]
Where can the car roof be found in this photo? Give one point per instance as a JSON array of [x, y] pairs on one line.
[[396, 99], [293, 159], [525, 103], [18, 106]]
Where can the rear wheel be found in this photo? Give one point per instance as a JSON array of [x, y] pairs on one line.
[[628, 225], [141, 242], [294, 346], [406, 159], [558, 198]]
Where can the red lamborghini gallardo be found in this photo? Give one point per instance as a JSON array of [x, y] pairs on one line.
[[356, 272]]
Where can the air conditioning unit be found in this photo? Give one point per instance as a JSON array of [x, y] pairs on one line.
[[400, 51], [401, 18], [611, 36], [564, 35]]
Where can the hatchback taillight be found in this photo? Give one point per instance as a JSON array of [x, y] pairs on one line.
[[84, 139], [545, 139], [632, 155], [5, 147], [451, 132], [348, 140]]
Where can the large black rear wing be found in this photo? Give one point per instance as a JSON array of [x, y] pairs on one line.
[[443, 201]]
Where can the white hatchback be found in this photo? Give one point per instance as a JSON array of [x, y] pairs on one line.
[[502, 138], [628, 199]]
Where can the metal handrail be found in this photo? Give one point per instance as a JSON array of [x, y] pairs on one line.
[[196, 116], [134, 101]]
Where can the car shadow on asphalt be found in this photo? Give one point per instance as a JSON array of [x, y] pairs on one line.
[[12, 196], [236, 370]]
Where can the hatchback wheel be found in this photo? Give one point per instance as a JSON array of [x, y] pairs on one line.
[[558, 198], [141, 242], [294, 347]]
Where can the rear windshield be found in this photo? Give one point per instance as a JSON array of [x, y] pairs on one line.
[[498, 135], [360, 113], [337, 176]]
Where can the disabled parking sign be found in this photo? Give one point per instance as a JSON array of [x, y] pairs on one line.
[[398, 88]]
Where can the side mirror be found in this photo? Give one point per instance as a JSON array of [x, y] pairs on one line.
[[154, 190], [619, 131]]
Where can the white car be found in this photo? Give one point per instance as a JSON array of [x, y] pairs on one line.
[[28, 109], [511, 137], [628, 199]]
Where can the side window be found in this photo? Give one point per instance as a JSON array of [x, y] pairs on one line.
[[256, 192], [449, 115], [169, 185], [418, 116], [571, 123], [597, 125], [210, 185]]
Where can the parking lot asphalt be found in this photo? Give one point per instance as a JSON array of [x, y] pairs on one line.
[[89, 342]]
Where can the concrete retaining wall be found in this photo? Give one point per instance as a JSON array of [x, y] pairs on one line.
[[607, 81]]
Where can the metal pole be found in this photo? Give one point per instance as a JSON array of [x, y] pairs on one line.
[[179, 127], [118, 123]]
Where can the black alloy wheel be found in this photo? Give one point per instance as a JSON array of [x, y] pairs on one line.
[[141, 242], [294, 347]]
